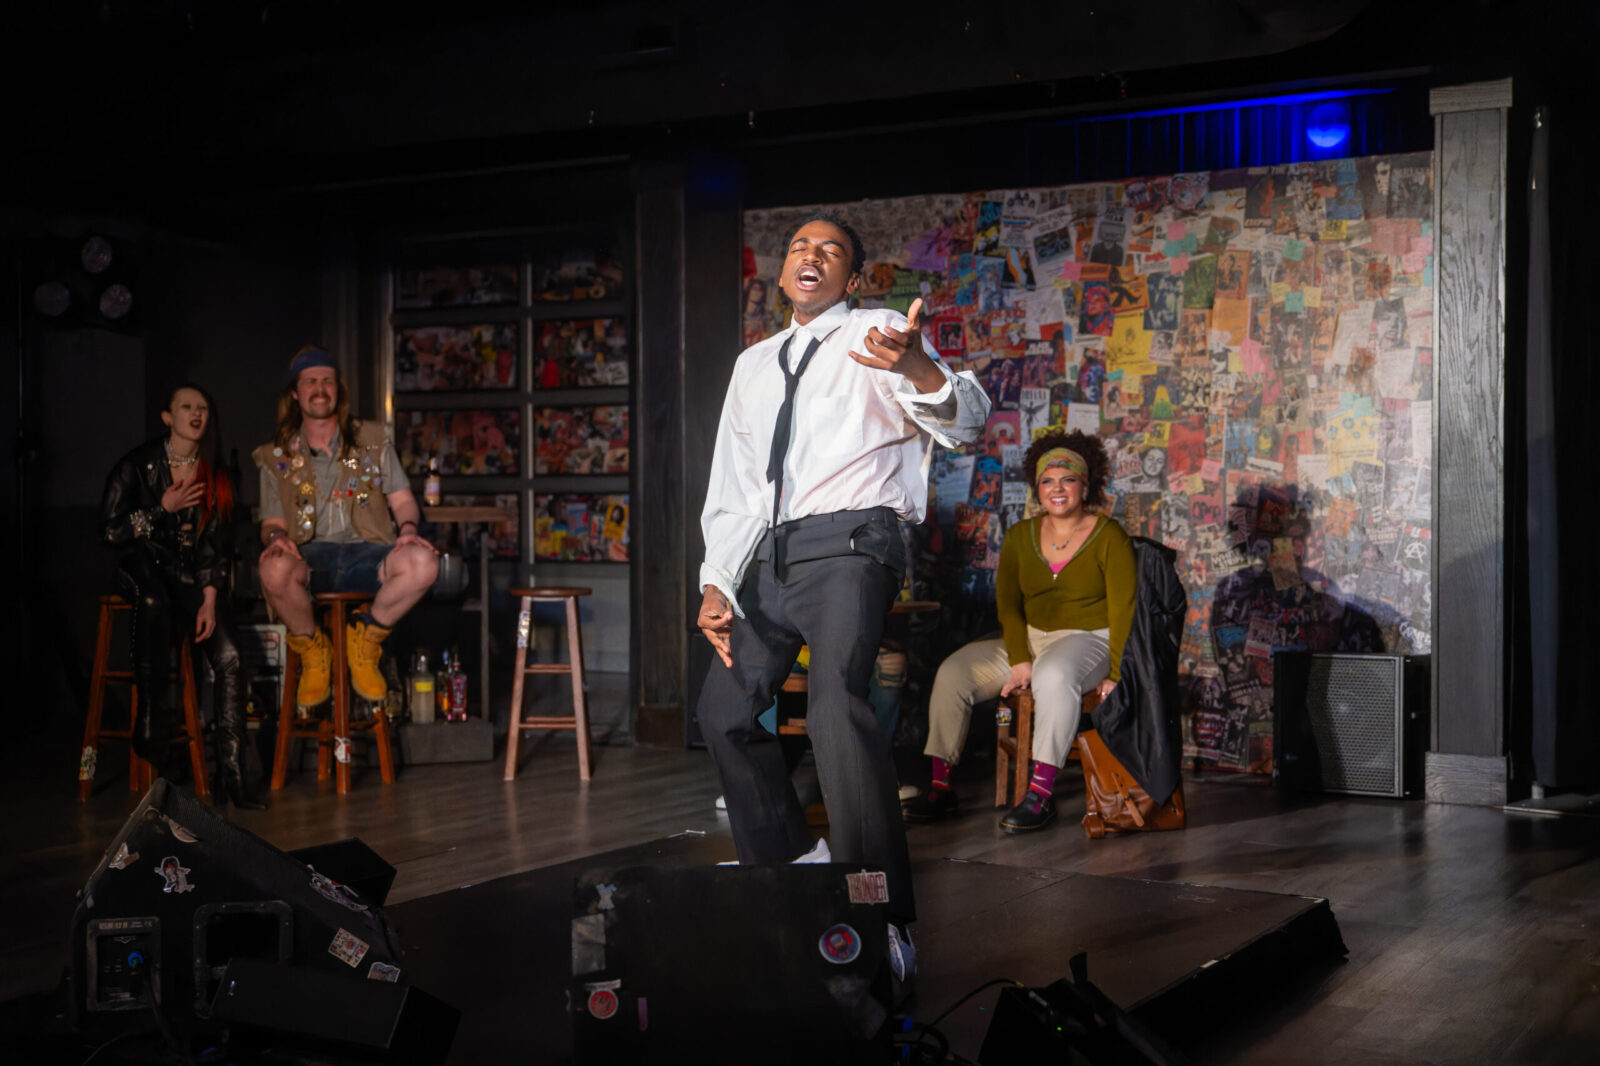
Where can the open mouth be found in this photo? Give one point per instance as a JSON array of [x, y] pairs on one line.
[[807, 279]]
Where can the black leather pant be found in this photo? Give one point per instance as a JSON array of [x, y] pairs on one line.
[[162, 601]]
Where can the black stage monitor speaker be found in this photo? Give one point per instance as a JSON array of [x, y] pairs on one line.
[[181, 894], [405, 1022], [1349, 723], [1071, 1022], [736, 964]]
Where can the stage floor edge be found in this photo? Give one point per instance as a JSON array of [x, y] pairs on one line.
[[1169, 953]]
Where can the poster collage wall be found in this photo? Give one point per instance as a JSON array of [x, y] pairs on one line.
[[1254, 347], [500, 375]]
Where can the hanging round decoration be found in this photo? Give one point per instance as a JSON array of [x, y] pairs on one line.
[[840, 944]]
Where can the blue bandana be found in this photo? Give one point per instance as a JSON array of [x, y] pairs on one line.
[[306, 359]]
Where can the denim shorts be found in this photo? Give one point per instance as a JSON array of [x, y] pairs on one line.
[[344, 567]]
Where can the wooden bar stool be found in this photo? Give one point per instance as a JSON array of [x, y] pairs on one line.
[[579, 720], [332, 736], [1013, 749], [139, 770]]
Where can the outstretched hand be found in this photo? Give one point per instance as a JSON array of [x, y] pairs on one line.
[[901, 352]]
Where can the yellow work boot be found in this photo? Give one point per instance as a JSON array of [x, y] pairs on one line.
[[316, 667], [364, 645]]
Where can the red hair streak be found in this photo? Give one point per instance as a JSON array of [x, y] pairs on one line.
[[218, 496]]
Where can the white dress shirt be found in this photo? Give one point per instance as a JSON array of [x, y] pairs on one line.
[[861, 438]]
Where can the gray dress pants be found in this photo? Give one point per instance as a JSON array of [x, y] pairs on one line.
[[837, 606]]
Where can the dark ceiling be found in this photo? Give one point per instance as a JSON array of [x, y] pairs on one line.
[[276, 91]]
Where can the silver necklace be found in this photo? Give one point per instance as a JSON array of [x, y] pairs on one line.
[[178, 460], [1063, 545]]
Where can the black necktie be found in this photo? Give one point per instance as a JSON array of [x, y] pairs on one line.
[[780, 432]]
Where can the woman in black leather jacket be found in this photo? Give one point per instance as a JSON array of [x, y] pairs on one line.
[[165, 513]]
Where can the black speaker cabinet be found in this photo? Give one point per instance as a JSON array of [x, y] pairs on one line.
[[1349, 723], [181, 893], [1070, 1021], [404, 1022], [738, 964]]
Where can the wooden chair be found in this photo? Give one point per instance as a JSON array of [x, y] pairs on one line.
[[578, 721], [139, 770], [1013, 752], [332, 736]]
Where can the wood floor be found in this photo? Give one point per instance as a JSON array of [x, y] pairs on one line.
[[1474, 934]]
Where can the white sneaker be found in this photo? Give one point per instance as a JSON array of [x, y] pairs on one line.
[[722, 803], [902, 953], [819, 853], [909, 792]]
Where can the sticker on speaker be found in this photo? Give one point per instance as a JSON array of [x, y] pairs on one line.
[[840, 945], [348, 948], [175, 876], [383, 971], [605, 892], [123, 858], [602, 1003], [179, 833], [588, 943], [334, 892], [868, 887]]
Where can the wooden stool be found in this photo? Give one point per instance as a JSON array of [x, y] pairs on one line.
[[139, 770], [332, 737], [1013, 749], [579, 721]]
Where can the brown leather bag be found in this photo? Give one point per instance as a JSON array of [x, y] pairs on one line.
[[1115, 802]]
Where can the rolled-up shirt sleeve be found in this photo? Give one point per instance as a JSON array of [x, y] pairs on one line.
[[954, 415], [731, 525]]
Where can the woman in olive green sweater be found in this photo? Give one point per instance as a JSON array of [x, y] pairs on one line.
[[1064, 594]]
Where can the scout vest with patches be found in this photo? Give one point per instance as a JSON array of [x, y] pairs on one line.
[[359, 486]]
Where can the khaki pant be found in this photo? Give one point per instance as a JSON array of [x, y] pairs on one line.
[[1066, 664]]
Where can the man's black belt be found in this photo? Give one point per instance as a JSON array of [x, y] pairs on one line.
[[874, 532]]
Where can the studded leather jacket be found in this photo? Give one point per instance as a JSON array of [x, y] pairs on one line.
[[132, 519]]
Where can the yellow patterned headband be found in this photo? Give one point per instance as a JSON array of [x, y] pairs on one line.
[[1061, 457]]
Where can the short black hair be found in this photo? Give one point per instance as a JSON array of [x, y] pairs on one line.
[[858, 256], [1094, 457]]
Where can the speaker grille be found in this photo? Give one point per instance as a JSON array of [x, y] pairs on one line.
[[1354, 704]]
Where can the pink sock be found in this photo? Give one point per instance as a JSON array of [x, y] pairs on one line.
[[941, 773], [1043, 780]]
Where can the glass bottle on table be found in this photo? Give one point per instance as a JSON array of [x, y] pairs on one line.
[[430, 486], [455, 689], [441, 687], [422, 691]]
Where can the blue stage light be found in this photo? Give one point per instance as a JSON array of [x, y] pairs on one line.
[[1329, 125]]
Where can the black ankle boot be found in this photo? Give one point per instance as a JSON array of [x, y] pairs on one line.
[[230, 770], [230, 743], [152, 736]]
